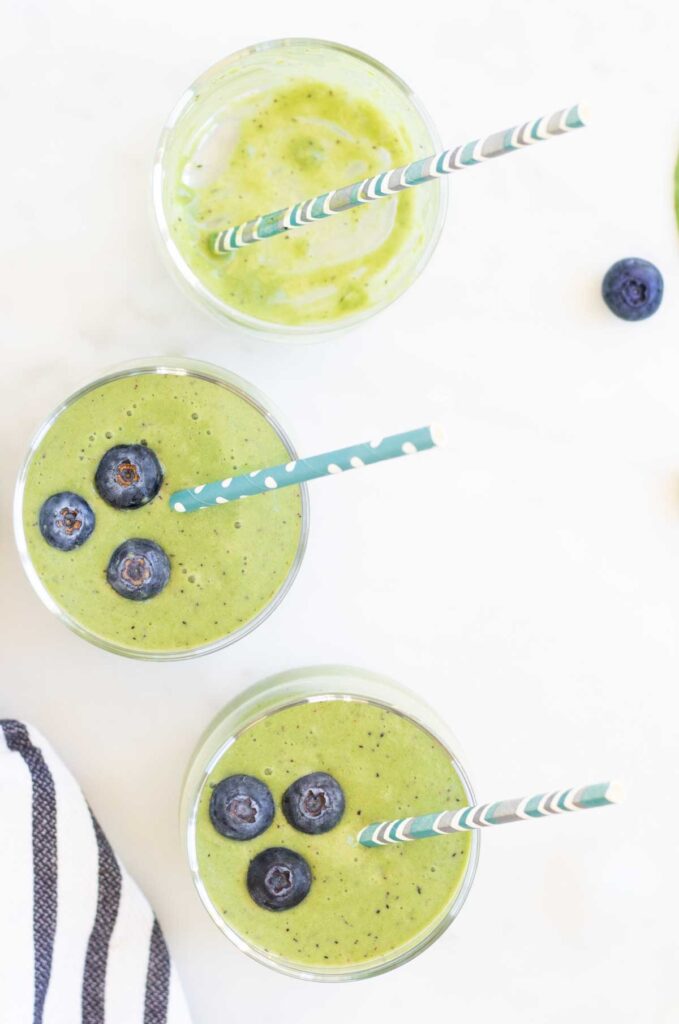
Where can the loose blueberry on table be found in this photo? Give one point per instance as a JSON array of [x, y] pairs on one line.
[[66, 520], [128, 476], [633, 289], [138, 569], [278, 879], [314, 804], [241, 807]]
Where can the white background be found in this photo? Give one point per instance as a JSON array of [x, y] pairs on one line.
[[525, 581]]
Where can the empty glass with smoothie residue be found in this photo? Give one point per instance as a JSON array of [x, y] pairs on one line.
[[367, 910], [275, 124]]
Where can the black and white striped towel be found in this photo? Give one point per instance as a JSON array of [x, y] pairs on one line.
[[79, 944]]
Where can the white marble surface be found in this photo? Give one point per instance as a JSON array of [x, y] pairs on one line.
[[526, 581]]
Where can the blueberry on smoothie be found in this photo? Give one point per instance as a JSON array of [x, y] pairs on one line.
[[128, 476], [314, 803], [633, 289], [278, 879], [66, 520], [138, 569], [241, 807]]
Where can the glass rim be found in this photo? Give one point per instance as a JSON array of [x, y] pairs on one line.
[[180, 269], [180, 367], [244, 703]]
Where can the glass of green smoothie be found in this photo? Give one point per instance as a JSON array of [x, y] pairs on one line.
[[274, 124], [276, 793], [96, 533]]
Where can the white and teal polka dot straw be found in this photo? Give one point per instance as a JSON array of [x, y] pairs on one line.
[[388, 182], [441, 823], [221, 492]]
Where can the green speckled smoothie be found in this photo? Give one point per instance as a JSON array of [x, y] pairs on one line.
[[276, 124], [365, 907], [228, 566]]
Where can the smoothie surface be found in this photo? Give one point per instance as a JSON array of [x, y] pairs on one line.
[[227, 563], [272, 149], [364, 903]]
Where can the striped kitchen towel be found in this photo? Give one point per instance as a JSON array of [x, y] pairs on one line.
[[79, 944]]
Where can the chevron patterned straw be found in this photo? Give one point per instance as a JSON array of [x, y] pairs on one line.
[[600, 794], [221, 492], [388, 182]]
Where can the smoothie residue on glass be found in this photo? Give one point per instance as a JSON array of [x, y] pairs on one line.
[[275, 148]]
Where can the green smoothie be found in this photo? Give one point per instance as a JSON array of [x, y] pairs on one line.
[[271, 148], [364, 904], [226, 564]]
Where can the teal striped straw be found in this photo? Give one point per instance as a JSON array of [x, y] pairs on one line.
[[442, 823], [261, 481], [387, 183]]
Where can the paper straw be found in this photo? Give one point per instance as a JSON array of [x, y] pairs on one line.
[[387, 183], [600, 794], [221, 492]]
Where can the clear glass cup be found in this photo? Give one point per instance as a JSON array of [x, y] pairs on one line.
[[265, 66], [270, 696], [180, 367]]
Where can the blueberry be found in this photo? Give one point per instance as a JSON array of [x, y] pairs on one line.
[[314, 803], [128, 476], [278, 879], [633, 289], [66, 520], [241, 807], [138, 569]]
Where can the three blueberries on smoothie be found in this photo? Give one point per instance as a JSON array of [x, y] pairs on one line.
[[127, 477], [242, 807]]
